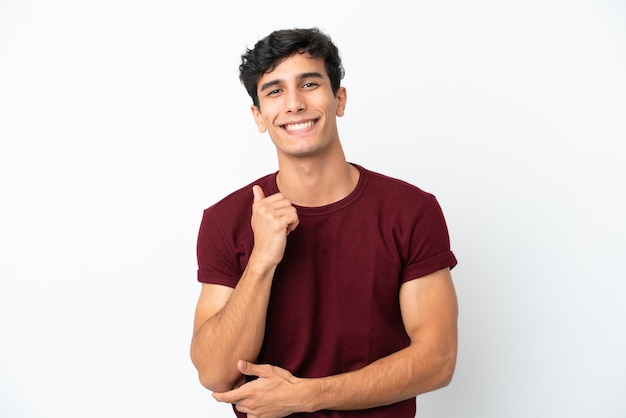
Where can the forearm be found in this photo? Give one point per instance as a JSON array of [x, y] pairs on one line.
[[429, 311], [235, 332], [399, 376]]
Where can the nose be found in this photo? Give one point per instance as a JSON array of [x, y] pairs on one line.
[[295, 102]]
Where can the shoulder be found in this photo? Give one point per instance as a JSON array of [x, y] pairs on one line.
[[386, 188], [239, 201]]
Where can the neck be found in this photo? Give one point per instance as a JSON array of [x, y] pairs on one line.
[[314, 182]]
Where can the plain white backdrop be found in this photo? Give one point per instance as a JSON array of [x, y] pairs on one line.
[[120, 121]]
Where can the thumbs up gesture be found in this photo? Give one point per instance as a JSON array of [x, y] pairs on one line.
[[273, 218]]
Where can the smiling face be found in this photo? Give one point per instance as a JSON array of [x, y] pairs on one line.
[[298, 107]]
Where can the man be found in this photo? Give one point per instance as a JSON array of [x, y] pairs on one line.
[[326, 288]]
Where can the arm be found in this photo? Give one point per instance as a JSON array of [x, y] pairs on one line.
[[229, 324], [429, 311]]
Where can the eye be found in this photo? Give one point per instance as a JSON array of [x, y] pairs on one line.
[[310, 85], [273, 92]]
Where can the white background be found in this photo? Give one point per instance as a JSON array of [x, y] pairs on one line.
[[120, 121]]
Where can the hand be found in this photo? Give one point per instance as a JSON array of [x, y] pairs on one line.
[[273, 218], [274, 394]]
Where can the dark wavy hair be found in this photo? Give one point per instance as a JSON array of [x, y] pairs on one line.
[[281, 44]]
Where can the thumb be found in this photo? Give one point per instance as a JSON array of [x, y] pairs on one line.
[[247, 368], [257, 191]]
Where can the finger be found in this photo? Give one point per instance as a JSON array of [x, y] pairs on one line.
[[290, 216], [246, 368], [293, 225], [251, 369], [232, 396], [257, 192]]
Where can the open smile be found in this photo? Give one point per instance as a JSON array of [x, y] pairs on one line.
[[300, 126]]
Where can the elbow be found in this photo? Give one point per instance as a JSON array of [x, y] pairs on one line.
[[446, 371], [447, 356], [446, 376], [214, 383], [213, 378], [218, 379], [441, 371]]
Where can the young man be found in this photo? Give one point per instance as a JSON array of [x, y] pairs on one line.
[[326, 288]]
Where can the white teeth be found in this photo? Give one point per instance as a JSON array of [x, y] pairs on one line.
[[299, 126]]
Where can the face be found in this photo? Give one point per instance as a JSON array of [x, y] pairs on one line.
[[298, 107]]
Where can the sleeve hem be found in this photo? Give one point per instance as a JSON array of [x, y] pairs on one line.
[[429, 266], [205, 277]]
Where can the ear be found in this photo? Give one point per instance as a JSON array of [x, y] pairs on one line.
[[342, 98], [258, 118]]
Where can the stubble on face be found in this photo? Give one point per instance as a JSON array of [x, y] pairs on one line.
[[297, 106]]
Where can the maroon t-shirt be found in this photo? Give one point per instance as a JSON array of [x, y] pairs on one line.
[[334, 303]]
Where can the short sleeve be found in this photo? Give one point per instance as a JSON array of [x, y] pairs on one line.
[[428, 246], [217, 261]]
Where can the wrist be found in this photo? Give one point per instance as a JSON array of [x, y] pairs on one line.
[[260, 266], [309, 393]]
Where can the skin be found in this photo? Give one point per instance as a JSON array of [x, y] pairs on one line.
[[299, 111], [312, 165]]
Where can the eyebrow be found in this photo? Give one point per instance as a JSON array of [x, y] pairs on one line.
[[299, 77]]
